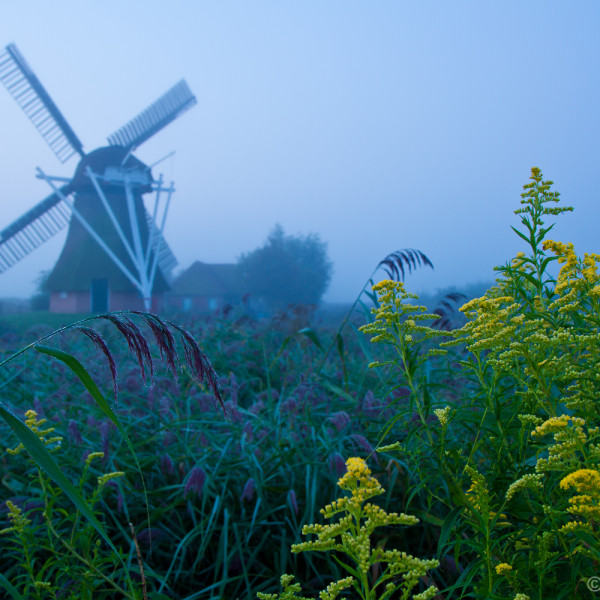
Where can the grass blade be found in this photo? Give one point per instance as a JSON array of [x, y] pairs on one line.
[[9, 588]]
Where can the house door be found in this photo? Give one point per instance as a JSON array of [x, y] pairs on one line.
[[99, 295]]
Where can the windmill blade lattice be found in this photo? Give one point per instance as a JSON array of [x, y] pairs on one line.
[[159, 114], [31, 96], [166, 259], [36, 226]]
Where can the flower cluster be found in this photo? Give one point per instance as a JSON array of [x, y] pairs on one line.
[[19, 522], [351, 535], [575, 273], [396, 318], [477, 494], [583, 480], [503, 569], [530, 481], [495, 322], [357, 472], [104, 479], [537, 195], [35, 425], [443, 415], [290, 590], [586, 503], [569, 440]]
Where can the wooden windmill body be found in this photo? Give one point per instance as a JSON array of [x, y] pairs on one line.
[[115, 256]]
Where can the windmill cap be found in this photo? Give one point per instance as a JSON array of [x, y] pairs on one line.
[[109, 160]]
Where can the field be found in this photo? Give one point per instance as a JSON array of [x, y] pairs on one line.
[[476, 433]]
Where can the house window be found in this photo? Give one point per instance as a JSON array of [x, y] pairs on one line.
[[63, 295], [212, 304], [186, 304]]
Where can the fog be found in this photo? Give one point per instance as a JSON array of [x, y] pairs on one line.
[[378, 126]]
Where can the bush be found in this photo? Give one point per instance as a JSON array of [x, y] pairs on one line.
[[287, 270], [511, 462]]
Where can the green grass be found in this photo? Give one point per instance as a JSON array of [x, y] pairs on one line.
[[20, 323]]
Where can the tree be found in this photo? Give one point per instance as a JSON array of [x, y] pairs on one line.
[[40, 299], [287, 269]]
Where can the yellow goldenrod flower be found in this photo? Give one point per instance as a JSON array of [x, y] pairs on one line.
[[443, 415], [93, 455], [357, 468], [584, 481], [588, 511], [573, 526], [556, 424], [529, 481], [114, 475], [351, 535], [333, 590], [396, 318], [18, 520], [595, 291], [503, 568], [42, 585], [478, 494], [34, 424]]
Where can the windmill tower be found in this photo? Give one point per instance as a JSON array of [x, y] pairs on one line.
[[115, 256]]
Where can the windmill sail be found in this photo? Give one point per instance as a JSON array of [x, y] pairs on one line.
[[159, 114], [166, 259], [35, 227], [32, 97]]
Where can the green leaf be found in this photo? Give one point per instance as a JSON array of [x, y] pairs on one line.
[[531, 279], [372, 296], [521, 235], [339, 343], [89, 384], [546, 261], [348, 568], [447, 528], [312, 336], [467, 576], [366, 310], [306, 331], [339, 391], [9, 588], [543, 232]]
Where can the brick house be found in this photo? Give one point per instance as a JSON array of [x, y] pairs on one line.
[[205, 288]]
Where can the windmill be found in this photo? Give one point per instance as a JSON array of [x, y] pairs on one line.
[[114, 255]]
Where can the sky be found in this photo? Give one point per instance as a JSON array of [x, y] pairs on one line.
[[376, 125]]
